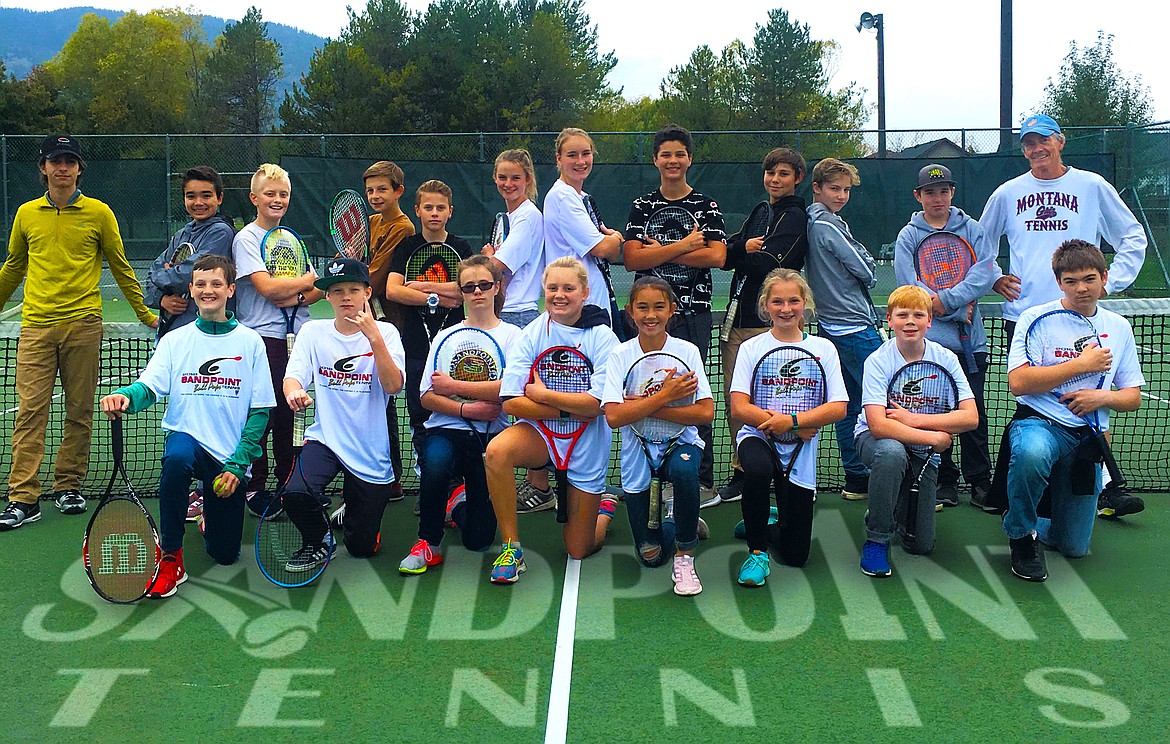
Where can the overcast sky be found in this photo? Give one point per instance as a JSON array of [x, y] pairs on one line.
[[942, 63]]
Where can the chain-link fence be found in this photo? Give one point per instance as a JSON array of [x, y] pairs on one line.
[[139, 175]]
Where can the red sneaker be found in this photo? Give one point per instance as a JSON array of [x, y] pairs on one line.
[[458, 496], [170, 574]]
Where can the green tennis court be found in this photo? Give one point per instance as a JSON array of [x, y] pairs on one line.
[[951, 648]]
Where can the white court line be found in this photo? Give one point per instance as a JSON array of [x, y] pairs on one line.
[[556, 729], [1155, 397]]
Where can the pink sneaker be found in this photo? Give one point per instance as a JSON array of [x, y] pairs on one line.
[[686, 581]]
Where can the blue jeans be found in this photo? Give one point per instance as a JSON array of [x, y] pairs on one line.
[[184, 460], [853, 349], [682, 469], [891, 469], [455, 453], [1043, 454]]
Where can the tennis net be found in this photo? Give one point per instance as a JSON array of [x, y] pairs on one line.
[[1141, 440]]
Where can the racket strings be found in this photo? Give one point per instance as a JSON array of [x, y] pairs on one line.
[[943, 262], [121, 550], [788, 382], [757, 223], [1057, 338], [567, 373], [924, 388], [645, 378], [670, 225]]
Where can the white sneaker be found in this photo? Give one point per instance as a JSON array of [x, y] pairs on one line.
[[686, 581]]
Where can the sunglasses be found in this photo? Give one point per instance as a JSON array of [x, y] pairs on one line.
[[482, 285]]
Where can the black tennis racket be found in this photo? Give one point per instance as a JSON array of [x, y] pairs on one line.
[[501, 226], [293, 541], [121, 550], [437, 263], [755, 226], [668, 225], [921, 387], [182, 252], [471, 355], [789, 380], [1056, 337], [563, 369], [349, 225], [603, 265], [942, 260], [285, 255], [644, 378]]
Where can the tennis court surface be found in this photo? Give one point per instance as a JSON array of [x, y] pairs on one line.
[[951, 648]]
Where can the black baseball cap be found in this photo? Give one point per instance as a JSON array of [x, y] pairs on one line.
[[343, 270], [60, 144], [934, 173]]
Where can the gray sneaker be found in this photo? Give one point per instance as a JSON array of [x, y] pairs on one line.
[[530, 499], [946, 495], [309, 557], [708, 497], [732, 490], [71, 502]]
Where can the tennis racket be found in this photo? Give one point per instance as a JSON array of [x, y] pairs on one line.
[[1058, 336], [471, 355], [603, 265], [121, 551], [755, 226], [563, 369], [790, 380], [668, 225], [942, 260], [437, 263], [182, 252], [293, 541], [921, 387], [500, 228], [285, 256], [643, 379], [349, 225]]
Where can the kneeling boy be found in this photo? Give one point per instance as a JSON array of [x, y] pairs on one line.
[[1051, 446], [214, 373], [890, 438], [355, 363]]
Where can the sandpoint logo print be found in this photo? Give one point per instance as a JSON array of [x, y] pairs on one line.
[[211, 366], [346, 364]]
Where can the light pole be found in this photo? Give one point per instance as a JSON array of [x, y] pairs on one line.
[[876, 22]]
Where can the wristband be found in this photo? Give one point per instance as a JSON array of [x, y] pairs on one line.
[[795, 424], [300, 298], [564, 415], [461, 409]]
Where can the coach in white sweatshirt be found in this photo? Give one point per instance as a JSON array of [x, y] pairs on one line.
[[1048, 205]]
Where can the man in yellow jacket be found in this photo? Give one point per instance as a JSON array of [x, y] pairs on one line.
[[57, 243]]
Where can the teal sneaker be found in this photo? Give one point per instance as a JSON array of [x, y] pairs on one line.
[[740, 532], [755, 569], [509, 565], [875, 559]]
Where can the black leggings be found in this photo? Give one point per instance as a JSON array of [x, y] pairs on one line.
[[791, 536]]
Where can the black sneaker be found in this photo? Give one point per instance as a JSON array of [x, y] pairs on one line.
[[732, 490], [946, 495], [1028, 559], [337, 518], [309, 557], [258, 502], [396, 492], [1116, 502], [70, 502], [979, 500], [18, 513]]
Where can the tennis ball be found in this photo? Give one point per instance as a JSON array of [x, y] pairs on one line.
[[220, 487]]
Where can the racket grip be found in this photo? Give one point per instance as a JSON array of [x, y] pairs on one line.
[[1117, 478], [729, 320], [298, 435], [655, 519], [562, 503]]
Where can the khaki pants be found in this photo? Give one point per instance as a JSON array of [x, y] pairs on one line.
[[72, 350], [729, 349]]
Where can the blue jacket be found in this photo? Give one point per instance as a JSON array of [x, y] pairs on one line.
[[985, 272]]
